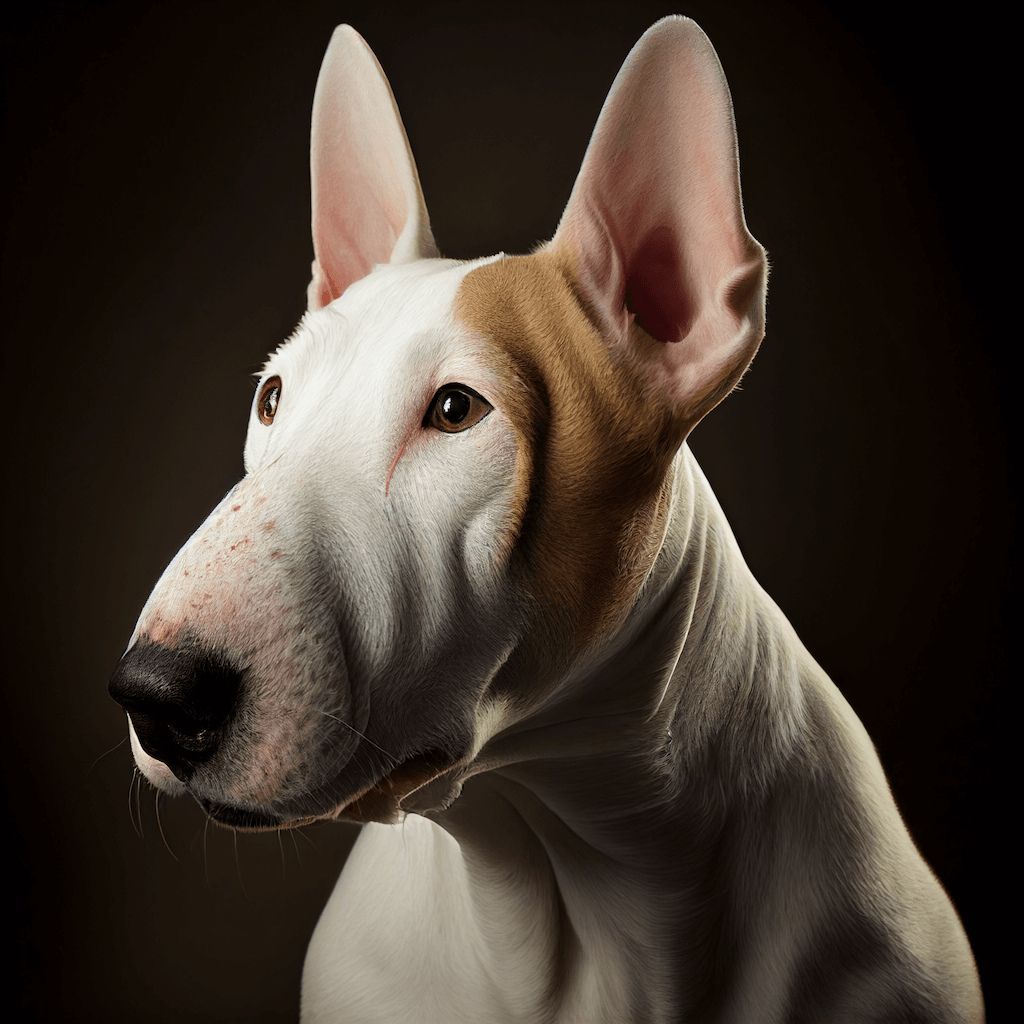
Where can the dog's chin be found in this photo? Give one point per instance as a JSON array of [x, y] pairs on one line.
[[424, 783], [247, 819], [388, 804], [420, 784]]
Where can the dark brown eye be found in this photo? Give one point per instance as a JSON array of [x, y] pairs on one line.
[[456, 407], [268, 400]]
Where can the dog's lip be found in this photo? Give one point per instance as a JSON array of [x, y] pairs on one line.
[[380, 801], [245, 819]]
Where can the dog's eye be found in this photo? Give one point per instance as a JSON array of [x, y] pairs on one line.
[[268, 401], [456, 407]]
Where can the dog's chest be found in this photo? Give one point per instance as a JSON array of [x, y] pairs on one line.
[[415, 931]]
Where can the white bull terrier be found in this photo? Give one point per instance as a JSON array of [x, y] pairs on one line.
[[474, 592]]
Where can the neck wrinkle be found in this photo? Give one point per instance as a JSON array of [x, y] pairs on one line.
[[735, 696], [623, 788], [701, 670]]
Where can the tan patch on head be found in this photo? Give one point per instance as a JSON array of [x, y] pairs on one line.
[[595, 444]]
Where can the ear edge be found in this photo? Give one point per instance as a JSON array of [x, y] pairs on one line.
[[742, 304], [656, 271], [366, 209]]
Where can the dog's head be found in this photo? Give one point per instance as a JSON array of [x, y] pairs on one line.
[[456, 473]]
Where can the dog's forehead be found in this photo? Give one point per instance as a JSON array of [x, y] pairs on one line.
[[423, 290], [402, 313], [359, 374], [397, 324]]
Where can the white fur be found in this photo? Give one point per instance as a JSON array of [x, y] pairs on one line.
[[680, 820]]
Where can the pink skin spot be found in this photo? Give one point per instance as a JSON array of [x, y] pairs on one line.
[[163, 631], [235, 508]]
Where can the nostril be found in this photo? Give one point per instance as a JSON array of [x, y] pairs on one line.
[[193, 740], [169, 736], [178, 701]]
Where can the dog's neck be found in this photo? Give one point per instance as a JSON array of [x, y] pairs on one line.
[[614, 799], [577, 842], [701, 635]]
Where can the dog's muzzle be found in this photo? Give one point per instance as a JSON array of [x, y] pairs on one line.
[[179, 701]]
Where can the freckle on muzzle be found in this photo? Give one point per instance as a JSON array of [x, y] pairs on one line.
[[179, 702]]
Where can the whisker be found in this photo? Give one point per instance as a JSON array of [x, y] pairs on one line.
[[139, 782], [296, 832], [136, 823], [238, 867], [160, 826], [206, 852], [353, 729], [123, 740]]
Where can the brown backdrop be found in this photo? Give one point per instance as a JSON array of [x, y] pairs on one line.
[[156, 247]]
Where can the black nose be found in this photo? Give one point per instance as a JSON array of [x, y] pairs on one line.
[[179, 702]]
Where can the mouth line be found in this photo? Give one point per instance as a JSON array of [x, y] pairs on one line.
[[245, 819], [380, 801]]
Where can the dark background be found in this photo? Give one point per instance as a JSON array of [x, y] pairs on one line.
[[156, 247]]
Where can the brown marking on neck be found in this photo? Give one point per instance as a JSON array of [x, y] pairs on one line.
[[595, 443]]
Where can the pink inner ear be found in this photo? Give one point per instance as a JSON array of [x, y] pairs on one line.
[[367, 204], [655, 221], [360, 210], [656, 292]]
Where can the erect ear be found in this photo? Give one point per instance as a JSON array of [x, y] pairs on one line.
[[654, 229], [367, 204]]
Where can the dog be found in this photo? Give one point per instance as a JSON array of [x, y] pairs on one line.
[[475, 593]]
